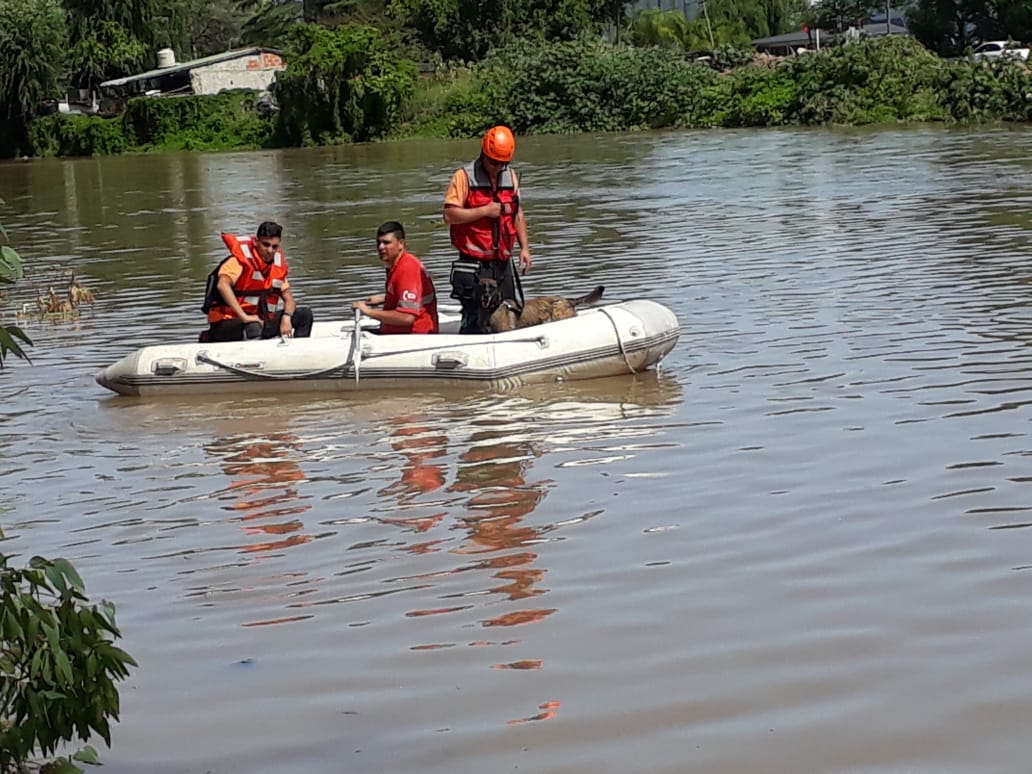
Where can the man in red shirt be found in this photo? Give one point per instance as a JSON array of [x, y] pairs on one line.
[[410, 301]]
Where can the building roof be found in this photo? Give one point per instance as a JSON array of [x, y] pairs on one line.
[[193, 64], [798, 38], [878, 29]]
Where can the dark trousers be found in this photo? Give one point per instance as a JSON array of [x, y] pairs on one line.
[[478, 301], [237, 330]]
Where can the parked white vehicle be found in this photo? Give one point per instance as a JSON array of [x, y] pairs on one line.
[[1000, 49]]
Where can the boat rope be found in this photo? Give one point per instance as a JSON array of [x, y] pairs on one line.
[[204, 357], [532, 340], [619, 341]]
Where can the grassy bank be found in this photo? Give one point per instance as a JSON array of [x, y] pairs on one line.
[[580, 86]]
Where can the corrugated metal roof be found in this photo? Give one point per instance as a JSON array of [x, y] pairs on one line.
[[193, 64]]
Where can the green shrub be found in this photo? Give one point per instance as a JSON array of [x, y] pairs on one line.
[[224, 121], [57, 661], [11, 336], [981, 91], [581, 86], [755, 95], [65, 135], [342, 85], [881, 80]]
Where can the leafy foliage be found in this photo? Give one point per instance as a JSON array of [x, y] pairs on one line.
[[106, 51], [585, 85], [470, 29], [754, 18], [837, 15], [214, 122], [11, 336], [110, 38], [341, 85], [668, 29], [979, 91], [225, 121], [57, 659], [873, 81], [72, 135], [32, 35]]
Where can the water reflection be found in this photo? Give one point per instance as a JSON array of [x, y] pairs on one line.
[[494, 472], [422, 446], [263, 491]]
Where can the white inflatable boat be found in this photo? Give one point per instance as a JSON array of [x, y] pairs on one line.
[[607, 340]]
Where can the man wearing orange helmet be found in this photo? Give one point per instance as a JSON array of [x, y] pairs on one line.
[[482, 207]]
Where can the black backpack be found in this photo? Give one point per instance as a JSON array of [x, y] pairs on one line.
[[212, 297]]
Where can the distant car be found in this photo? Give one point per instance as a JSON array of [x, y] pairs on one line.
[[1000, 49]]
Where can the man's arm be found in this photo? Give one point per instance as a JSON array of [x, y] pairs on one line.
[[455, 215], [455, 210], [393, 317], [286, 325], [521, 236], [225, 287]]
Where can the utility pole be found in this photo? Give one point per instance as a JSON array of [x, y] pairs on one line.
[[705, 11]]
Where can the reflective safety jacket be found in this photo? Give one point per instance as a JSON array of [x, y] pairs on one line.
[[259, 287], [488, 239]]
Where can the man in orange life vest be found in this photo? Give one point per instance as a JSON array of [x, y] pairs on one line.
[[482, 207], [410, 303], [252, 298]]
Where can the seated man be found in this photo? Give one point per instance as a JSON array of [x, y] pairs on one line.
[[410, 301], [251, 297]]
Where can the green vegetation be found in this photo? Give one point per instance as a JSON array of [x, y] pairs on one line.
[[341, 85], [348, 85], [362, 70], [58, 663], [227, 121], [589, 85], [11, 336]]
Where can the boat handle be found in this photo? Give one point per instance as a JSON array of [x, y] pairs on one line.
[[168, 366], [450, 360]]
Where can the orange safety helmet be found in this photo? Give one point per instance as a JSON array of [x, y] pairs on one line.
[[499, 144]]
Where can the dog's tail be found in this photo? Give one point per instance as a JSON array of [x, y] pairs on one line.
[[591, 298]]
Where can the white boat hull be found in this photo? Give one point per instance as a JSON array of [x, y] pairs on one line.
[[609, 340]]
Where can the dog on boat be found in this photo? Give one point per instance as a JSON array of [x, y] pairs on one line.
[[509, 317]]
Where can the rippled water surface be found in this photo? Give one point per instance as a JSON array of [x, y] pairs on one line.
[[798, 547]]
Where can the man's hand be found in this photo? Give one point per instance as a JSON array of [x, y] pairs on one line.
[[525, 260]]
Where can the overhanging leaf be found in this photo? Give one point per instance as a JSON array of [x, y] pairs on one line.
[[70, 574], [10, 265], [87, 755], [8, 334]]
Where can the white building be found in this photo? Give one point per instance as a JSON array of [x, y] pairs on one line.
[[245, 68]]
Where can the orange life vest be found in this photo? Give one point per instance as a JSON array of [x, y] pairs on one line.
[[488, 239], [259, 287]]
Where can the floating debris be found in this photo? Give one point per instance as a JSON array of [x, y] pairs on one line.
[[54, 307]]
